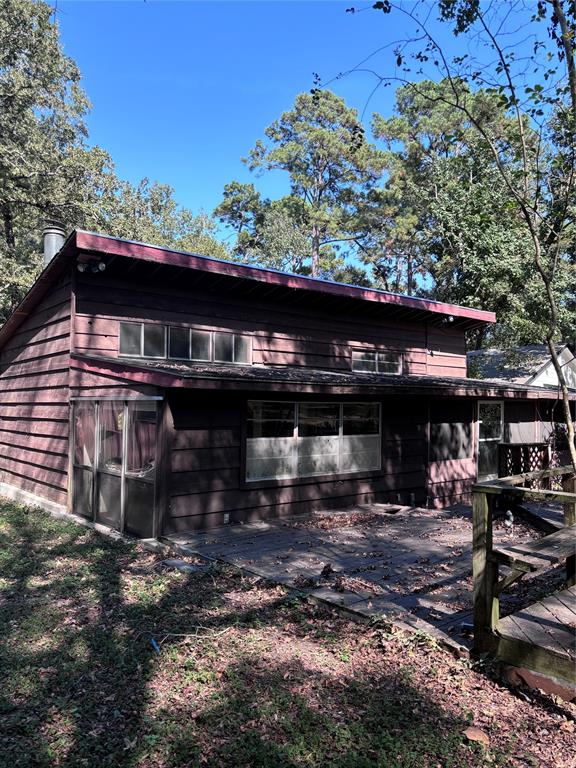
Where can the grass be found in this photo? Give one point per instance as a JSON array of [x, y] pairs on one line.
[[106, 659]]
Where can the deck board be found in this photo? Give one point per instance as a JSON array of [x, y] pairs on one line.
[[553, 626], [542, 553], [545, 624]]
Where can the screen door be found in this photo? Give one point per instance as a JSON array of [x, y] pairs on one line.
[[490, 435]]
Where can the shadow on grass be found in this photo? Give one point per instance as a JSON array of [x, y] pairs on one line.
[[82, 685]]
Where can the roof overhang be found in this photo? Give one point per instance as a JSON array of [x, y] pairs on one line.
[[80, 243], [90, 241], [286, 380]]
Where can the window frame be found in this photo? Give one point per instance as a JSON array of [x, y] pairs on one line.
[[165, 334], [377, 352], [210, 346], [167, 327], [492, 440], [306, 478], [234, 335]]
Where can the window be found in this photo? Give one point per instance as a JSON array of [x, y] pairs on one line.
[[201, 345], [490, 433], [366, 361], [142, 340], [131, 339], [223, 347], [389, 362], [111, 423], [154, 340], [230, 348], [242, 350], [270, 444], [179, 343], [305, 439], [176, 343], [141, 439]]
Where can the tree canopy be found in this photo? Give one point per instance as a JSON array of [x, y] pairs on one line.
[[47, 169], [524, 58], [321, 144], [449, 217]]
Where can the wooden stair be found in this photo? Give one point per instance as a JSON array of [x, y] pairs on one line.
[[542, 553], [541, 636]]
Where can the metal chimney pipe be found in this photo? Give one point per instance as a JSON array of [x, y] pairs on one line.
[[53, 236]]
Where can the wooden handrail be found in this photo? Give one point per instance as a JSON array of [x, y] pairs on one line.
[[527, 476], [485, 562]]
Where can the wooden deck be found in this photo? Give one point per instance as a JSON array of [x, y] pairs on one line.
[[406, 565], [542, 636]]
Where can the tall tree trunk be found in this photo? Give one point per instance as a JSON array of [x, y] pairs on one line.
[[8, 221], [550, 340], [410, 275], [480, 336], [566, 36], [315, 250]]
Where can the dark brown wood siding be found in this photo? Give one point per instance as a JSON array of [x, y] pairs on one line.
[[520, 422], [34, 402], [207, 473], [106, 385], [283, 333]]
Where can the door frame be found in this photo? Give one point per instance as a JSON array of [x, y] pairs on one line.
[[96, 459], [489, 439]]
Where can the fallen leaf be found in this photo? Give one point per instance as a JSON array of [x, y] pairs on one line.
[[475, 734]]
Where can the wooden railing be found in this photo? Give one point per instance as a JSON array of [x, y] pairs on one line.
[[522, 458], [546, 552]]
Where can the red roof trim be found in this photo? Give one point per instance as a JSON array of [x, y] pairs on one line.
[[90, 241]]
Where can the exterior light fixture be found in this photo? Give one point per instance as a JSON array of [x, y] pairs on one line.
[[93, 266]]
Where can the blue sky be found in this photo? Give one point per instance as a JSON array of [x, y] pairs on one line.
[[181, 90]]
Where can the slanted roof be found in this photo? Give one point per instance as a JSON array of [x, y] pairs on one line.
[[163, 373], [519, 365], [89, 243]]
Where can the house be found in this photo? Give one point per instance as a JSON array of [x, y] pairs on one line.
[[530, 364], [157, 391]]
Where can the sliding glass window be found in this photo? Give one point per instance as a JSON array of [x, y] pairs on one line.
[[305, 439]]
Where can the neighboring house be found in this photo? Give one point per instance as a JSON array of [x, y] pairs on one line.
[[158, 391], [523, 365]]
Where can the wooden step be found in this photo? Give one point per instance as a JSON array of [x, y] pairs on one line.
[[542, 553], [542, 637]]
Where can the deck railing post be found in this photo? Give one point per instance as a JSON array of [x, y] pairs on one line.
[[569, 485], [483, 571]]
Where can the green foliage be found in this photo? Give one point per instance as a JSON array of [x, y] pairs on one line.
[[447, 208], [320, 143], [149, 213], [47, 171]]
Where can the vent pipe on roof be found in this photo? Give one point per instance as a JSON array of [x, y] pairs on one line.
[[53, 236]]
